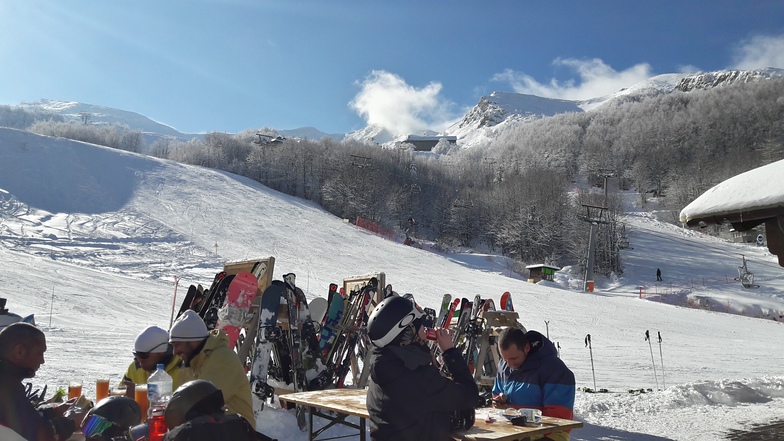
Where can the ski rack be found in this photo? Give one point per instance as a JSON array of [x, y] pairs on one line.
[[488, 357], [352, 283], [251, 327]]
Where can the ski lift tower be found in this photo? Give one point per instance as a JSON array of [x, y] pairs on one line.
[[595, 215]]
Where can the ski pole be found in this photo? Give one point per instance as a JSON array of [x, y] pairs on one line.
[[664, 385], [648, 339], [547, 325], [174, 299], [590, 349]]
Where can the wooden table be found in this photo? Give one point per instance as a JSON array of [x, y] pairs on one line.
[[351, 402], [503, 430], [346, 402]]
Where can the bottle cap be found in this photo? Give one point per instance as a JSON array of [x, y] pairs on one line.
[[159, 366]]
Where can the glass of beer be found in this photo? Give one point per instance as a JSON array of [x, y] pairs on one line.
[[74, 389], [101, 389], [140, 395]]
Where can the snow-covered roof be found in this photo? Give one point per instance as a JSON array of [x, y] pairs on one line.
[[756, 194]]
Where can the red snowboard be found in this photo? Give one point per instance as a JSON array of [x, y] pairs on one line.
[[231, 316]]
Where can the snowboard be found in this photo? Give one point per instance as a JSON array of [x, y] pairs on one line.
[[266, 337], [188, 300], [506, 302], [200, 302], [214, 301], [240, 295], [330, 328], [318, 309]]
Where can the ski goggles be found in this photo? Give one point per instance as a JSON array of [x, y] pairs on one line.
[[146, 355], [96, 425]]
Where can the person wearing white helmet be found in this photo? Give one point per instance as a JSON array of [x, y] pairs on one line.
[[151, 348], [408, 398]]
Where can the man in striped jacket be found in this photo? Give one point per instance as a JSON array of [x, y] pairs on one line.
[[531, 375]]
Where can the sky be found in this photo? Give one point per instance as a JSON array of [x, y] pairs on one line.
[[203, 66], [93, 238]]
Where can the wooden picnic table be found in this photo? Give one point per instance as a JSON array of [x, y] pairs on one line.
[[351, 402]]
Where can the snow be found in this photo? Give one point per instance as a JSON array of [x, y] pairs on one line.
[[740, 193], [92, 239]]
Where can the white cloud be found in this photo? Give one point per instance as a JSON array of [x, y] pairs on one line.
[[759, 52], [596, 79], [386, 100]]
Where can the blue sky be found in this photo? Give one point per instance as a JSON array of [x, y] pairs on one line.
[[204, 66]]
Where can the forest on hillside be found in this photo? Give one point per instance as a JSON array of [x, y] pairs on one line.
[[521, 193]]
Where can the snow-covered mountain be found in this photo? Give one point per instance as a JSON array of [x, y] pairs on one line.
[[502, 108], [95, 114], [499, 110], [707, 80], [151, 130], [484, 122]]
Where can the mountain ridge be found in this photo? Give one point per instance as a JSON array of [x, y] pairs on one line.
[[483, 122]]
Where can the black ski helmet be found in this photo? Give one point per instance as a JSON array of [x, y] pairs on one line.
[[122, 412], [193, 399], [389, 319]]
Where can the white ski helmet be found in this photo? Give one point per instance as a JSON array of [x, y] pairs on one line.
[[390, 318]]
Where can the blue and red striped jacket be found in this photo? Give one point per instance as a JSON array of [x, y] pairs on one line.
[[542, 382]]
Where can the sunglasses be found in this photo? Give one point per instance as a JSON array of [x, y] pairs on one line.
[[146, 355], [95, 425]]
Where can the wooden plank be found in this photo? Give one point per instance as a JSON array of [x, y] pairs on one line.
[[347, 401]]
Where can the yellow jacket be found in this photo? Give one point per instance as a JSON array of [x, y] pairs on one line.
[[216, 362], [138, 375]]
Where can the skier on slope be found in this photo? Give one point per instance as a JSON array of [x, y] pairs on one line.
[[22, 348], [150, 348], [408, 398], [207, 356]]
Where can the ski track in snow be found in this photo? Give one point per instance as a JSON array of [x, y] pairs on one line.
[[107, 272]]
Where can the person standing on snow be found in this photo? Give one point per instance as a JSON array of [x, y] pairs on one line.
[[150, 348], [408, 398], [22, 348], [531, 375], [207, 356], [658, 275]]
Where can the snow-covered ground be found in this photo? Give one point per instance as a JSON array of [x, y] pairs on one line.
[[91, 239]]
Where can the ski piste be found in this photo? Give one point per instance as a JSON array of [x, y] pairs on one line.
[[268, 334], [232, 315]]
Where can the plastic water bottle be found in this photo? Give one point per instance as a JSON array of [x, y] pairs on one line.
[[159, 390], [159, 385]]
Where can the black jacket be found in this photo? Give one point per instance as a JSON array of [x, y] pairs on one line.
[[214, 427], [408, 399], [17, 413]]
